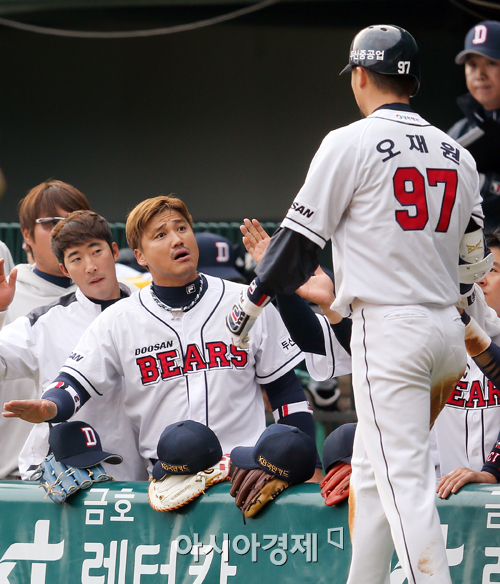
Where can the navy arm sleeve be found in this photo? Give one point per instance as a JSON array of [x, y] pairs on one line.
[[63, 400], [489, 363], [290, 260], [302, 323], [304, 327], [287, 390], [342, 331]]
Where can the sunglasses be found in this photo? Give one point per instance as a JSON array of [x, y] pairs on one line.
[[48, 223]]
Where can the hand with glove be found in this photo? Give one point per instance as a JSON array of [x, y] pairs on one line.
[[283, 456], [74, 462], [190, 461], [337, 453]]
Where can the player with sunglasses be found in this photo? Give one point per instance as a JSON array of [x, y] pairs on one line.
[[36, 285]]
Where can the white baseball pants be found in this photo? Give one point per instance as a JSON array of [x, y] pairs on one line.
[[405, 360]]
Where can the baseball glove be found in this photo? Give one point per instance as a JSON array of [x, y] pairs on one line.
[[60, 481], [335, 486], [175, 491], [254, 488]]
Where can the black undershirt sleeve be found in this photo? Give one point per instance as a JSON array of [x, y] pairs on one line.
[[342, 331], [290, 260], [302, 323], [489, 363]]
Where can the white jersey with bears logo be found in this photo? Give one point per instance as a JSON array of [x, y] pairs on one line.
[[184, 367], [390, 190], [467, 428]]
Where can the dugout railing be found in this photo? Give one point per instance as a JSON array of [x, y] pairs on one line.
[[109, 534]]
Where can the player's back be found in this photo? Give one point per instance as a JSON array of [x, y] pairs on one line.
[[397, 229]]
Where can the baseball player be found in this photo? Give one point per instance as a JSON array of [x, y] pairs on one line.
[[489, 473], [479, 130], [168, 344], [389, 190], [468, 425], [36, 346], [39, 284]]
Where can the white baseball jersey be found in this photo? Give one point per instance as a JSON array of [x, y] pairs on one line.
[[467, 428], [35, 347], [31, 291], [184, 367], [389, 190], [395, 195]]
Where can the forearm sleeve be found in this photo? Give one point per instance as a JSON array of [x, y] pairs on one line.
[[290, 406], [302, 323], [289, 261], [342, 331]]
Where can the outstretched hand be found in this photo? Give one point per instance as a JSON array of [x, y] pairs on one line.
[[255, 238], [456, 479], [30, 410], [7, 286], [318, 289]]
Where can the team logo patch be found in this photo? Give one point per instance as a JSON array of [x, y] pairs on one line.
[[287, 344], [305, 211], [276, 470], [175, 468], [471, 248]]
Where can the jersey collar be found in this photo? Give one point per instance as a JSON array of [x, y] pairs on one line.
[[396, 106]]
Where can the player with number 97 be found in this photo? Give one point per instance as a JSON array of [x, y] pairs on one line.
[[400, 201]]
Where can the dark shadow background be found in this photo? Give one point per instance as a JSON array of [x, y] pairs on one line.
[[227, 117]]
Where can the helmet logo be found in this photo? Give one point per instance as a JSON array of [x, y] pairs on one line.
[[480, 34]]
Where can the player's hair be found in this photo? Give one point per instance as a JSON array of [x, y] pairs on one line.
[[78, 228], [400, 85], [493, 239], [45, 198], [142, 214]]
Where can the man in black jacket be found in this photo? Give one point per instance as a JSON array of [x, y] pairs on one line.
[[479, 131]]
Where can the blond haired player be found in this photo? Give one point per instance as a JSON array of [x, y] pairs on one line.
[[167, 344]]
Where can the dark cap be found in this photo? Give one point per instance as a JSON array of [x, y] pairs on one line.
[[217, 257], [283, 451], [338, 446], [482, 39], [186, 447], [78, 444]]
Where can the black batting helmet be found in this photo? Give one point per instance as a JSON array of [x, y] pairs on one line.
[[386, 49]]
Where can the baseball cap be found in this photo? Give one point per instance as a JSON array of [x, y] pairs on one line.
[[482, 39], [186, 447], [217, 256], [338, 445], [283, 451], [78, 444]]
